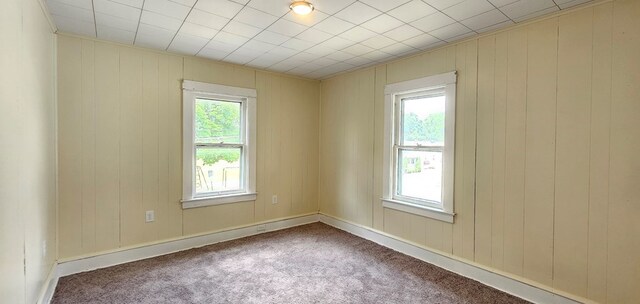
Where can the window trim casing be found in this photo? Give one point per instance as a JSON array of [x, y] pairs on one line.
[[391, 91], [191, 90]]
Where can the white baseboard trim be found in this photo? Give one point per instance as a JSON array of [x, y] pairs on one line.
[[49, 286], [145, 252], [484, 276]]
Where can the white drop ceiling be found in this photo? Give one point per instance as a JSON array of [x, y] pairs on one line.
[[339, 35]]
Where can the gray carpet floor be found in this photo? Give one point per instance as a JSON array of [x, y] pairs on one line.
[[314, 263]]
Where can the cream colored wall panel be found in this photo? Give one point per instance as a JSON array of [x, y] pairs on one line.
[[131, 137], [27, 147], [107, 137], [515, 145], [199, 69], [599, 153], [201, 220], [623, 268], [70, 146], [540, 153], [150, 145], [499, 150], [378, 148], [88, 129], [484, 158], [173, 228], [571, 213]]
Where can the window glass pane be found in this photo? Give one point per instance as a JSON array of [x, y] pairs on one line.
[[217, 121], [420, 175], [218, 169], [423, 120]]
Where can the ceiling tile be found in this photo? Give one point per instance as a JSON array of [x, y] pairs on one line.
[[240, 58], [117, 9], [116, 22], [384, 5], [403, 32], [313, 35], [274, 7], [222, 8], [333, 25], [286, 65], [258, 46], [324, 61], [71, 12], [239, 28], [377, 56], [307, 20], [77, 3], [495, 26], [207, 19], [115, 34], [450, 31], [421, 41], [167, 8], [187, 44], [162, 21], [382, 23], [231, 39], [188, 3], [74, 26], [412, 11], [499, 3], [358, 61], [460, 37], [153, 37], [485, 20], [283, 51], [358, 49], [442, 4], [525, 7], [132, 3], [432, 22], [336, 43], [211, 53], [357, 13], [340, 56], [255, 17], [320, 50], [564, 4], [221, 47], [197, 30], [468, 9], [399, 49], [378, 42], [304, 56], [331, 6], [298, 44], [287, 28], [271, 37], [358, 34]]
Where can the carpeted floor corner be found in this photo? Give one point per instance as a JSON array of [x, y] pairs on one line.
[[314, 263]]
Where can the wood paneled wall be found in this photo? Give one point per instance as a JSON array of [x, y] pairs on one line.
[[547, 146], [27, 151], [120, 139]]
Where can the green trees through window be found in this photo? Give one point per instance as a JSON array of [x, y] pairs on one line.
[[218, 122]]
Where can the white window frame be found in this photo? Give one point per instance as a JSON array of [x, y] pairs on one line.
[[191, 90], [393, 93]]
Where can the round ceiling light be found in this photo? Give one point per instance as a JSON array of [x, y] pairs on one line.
[[301, 7]]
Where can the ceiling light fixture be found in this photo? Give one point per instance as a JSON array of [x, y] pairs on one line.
[[301, 7]]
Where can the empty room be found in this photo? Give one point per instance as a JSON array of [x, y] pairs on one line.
[[320, 151]]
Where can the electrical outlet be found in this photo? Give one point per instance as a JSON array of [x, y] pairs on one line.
[[274, 199], [262, 228], [150, 216]]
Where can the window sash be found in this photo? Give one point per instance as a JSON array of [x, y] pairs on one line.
[[243, 184], [222, 98], [396, 179]]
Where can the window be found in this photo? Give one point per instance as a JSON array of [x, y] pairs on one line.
[[218, 144], [419, 153]]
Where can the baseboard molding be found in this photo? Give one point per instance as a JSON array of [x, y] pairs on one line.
[[49, 286], [145, 252], [498, 281]]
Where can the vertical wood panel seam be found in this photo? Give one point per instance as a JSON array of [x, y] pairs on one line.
[[593, 12], [555, 156], [606, 287], [526, 107]]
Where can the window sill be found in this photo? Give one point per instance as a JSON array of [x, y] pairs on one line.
[[425, 211], [217, 200]]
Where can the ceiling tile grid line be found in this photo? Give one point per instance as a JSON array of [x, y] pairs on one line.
[[338, 36]]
